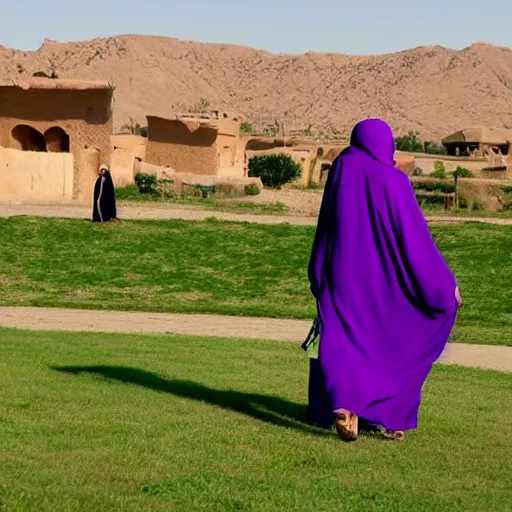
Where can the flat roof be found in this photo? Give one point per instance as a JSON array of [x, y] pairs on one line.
[[481, 135], [35, 83]]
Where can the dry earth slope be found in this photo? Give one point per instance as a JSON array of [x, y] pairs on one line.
[[432, 89]]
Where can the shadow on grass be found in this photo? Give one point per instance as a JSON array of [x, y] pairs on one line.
[[269, 409]]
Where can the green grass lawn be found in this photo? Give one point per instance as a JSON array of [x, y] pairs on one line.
[[219, 267], [133, 423]]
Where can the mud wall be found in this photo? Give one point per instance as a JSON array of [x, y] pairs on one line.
[[128, 152], [34, 176], [85, 116], [172, 143]]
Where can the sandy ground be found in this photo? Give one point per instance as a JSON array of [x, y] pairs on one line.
[[75, 320], [167, 212], [303, 203], [151, 213]]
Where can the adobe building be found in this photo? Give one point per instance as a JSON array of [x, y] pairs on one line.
[[53, 136], [308, 154], [198, 146], [314, 157], [478, 141], [128, 152]]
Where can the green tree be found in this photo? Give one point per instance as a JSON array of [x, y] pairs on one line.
[[462, 172], [439, 170], [410, 143], [434, 149]]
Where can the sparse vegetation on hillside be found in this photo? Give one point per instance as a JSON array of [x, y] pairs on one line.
[[134, 128], [271, 130], [224, 70], [42, 74], [201, 107], [246, 128]]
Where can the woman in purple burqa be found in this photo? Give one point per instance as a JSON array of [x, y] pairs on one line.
[[387, 301]]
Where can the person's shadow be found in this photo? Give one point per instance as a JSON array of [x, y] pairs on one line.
[[269, 409]]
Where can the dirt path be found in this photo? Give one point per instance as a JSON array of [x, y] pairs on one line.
[[151, 213], [50, 319], [190, 213]]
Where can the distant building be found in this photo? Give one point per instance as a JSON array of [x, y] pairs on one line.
[[196, 145], [128, 153], [478, 141], [45, 117]]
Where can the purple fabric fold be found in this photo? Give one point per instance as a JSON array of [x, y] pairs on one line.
[[385, 295]]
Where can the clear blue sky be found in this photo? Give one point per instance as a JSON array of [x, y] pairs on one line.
[[296, 26]]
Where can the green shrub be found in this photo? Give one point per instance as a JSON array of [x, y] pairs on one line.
[[246, 128], [463, 203], [165, 189], [507, 200], [132, 193], [206, 190], [432, 148], [274, 170], [271, 130], [410, 142], [462, 172], [147, 183], [439, 171], [430, 200], [435, 186], [252, 190]]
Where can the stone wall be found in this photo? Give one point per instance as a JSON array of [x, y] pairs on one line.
[[35, 176]]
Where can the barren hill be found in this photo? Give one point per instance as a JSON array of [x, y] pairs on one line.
[[433, 89]]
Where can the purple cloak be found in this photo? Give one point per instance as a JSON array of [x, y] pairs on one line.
[[385, 295]]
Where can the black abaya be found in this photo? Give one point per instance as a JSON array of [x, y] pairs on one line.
[[104, 207]]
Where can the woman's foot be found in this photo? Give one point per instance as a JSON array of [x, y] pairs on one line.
[[393, 435], [346, 425]]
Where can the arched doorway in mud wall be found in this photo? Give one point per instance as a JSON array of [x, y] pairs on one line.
[[56, 140], [28, 138]]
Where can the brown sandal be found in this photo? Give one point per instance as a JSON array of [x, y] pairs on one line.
[[347, 425], [393, 435]]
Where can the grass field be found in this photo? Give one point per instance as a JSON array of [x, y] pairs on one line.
[[129, 423], [218, 267], [131, 195]]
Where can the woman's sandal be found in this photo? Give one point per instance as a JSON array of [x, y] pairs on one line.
[[346, 425], [393, 435]]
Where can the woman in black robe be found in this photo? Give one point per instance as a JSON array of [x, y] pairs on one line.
[[104, 206]]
